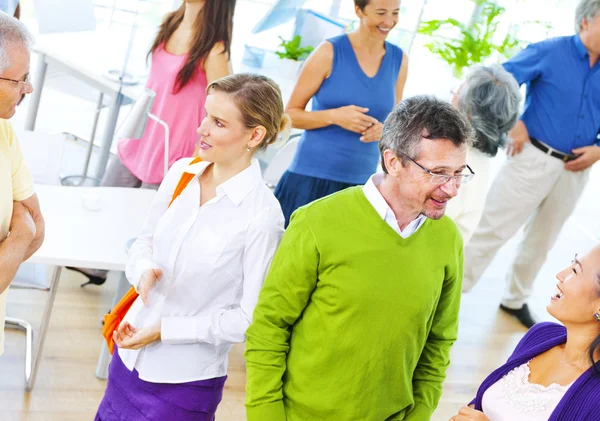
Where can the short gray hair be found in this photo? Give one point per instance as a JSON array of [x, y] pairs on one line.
[[490, 98], [586, 9], [12, 33], [419, 117]]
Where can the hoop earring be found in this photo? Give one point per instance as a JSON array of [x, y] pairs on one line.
[[597, 317]]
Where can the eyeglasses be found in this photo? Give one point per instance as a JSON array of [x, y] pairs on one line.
[[440, 179], [23, 84]]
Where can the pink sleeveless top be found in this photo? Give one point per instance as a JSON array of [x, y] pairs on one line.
[[183, 112]]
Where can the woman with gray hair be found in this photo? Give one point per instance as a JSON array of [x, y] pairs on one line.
[[490, 98]]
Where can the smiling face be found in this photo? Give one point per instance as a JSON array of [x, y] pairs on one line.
[[11, 93], [223, 137], [417, 192], [577, 297], [379, 17]]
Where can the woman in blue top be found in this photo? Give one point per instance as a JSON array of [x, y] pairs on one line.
[[354, 80]]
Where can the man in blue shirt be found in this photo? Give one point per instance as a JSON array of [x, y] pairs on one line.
[[554, 144]]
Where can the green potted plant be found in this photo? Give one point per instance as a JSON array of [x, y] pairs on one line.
[[292, 54], [475, 42]]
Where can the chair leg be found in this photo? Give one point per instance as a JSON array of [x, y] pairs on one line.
[[80, 180], [44, 327], [21, 324], [93, 134]]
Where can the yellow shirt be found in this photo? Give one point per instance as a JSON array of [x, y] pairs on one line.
[[16, 183]]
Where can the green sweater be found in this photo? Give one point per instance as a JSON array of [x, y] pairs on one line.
[[354, 323]]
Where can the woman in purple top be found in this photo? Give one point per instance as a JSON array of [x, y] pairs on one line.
[[554, 372]]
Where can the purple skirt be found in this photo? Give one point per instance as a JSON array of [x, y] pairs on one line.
[[128, 398]]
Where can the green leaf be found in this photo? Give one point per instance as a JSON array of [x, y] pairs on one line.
[[292, 49], [475, 41]]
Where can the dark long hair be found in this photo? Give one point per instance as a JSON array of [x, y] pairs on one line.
[[361, 4], [214, 24], [595, 345]]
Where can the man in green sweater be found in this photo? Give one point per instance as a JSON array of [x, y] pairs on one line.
[[360, 307]]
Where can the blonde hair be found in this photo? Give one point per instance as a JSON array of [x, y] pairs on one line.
[[259, 100]]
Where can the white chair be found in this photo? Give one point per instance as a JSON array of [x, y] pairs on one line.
[[43, 157], [43, 154], [281, 161]]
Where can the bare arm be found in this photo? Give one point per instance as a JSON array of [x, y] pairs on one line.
[[14, 248], [373, 133], [401, 78], [33, 206], [217, 63], [316, 69]]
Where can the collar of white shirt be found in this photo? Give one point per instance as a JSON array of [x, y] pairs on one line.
[[376, 199], [238, 186]]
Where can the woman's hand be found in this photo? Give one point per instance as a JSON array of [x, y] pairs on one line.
[[373, 133], [467, 413], [128, 337], [149, 279], [353, 118]]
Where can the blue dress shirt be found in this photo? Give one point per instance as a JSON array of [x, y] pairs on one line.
[[562, 104]]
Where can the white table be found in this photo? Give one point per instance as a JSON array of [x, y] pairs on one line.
[[77, 236], [86, 56]]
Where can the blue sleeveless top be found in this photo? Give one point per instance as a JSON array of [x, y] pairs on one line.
[[334, 153]]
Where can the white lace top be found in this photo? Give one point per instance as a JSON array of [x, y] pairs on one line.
[[513, 398]]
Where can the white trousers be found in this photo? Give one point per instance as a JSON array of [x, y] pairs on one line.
[[532, 188]]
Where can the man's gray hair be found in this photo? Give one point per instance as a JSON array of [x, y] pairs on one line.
[[419, 117], [586, 9], [490, 98], [12, 33]]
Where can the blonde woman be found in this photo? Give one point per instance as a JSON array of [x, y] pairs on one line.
[[199, 263]]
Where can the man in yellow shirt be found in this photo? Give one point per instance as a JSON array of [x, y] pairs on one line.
[[21, 222]]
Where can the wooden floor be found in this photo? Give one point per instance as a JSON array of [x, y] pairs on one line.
[[67, 388]]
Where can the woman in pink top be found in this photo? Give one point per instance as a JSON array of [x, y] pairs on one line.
[[190, 51]]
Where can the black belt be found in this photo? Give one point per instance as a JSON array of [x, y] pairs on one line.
[[564, 157]]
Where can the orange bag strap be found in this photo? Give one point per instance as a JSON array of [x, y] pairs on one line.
[[184, 181], [113, 319]]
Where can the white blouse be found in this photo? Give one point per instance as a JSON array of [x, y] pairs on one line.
[[513, 398], [214, 260]]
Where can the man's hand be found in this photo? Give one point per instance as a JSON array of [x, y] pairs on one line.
[[588, 155], [13, 249], [22, 225], [373, 133], [469, 414], [149, 279], [518, 136]]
